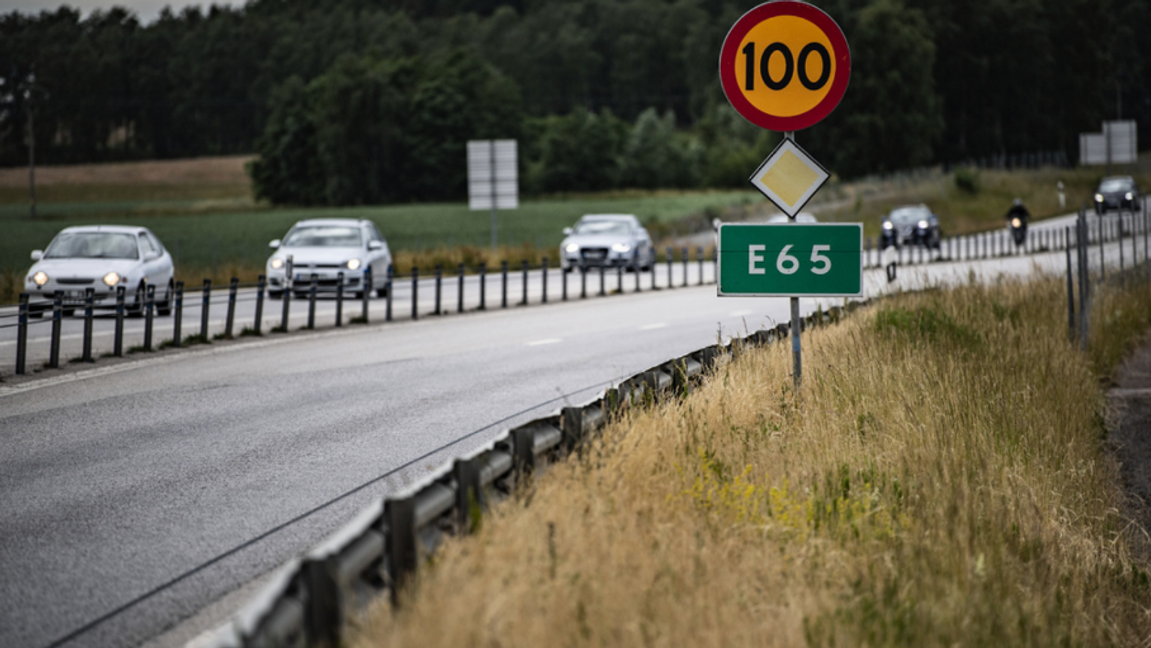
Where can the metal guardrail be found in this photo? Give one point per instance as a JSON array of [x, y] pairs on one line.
[[309, 601]]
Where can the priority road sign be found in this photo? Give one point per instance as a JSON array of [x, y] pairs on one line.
[[790, 260], [785, 65], [789, 177]]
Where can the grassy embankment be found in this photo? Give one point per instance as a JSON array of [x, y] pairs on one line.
[[941, 481], [203, 211]]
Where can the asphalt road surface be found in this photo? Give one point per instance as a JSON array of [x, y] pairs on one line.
[[138, 492]]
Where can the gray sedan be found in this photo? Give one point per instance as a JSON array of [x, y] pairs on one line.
[[609, 240]]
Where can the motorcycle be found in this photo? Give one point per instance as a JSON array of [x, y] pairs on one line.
[[1018, 227]]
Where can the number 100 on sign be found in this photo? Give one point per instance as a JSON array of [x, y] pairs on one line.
[[791, 260]]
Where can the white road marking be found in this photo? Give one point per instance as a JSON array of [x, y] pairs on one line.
[[652, 327], [543, 342]]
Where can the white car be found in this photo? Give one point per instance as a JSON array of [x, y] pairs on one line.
[[608, 240], [101, 258], [801, 217], [325, 247]]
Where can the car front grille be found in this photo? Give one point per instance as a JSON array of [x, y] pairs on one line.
[[593, 254]]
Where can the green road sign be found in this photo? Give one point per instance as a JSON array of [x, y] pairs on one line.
[[791, 260]]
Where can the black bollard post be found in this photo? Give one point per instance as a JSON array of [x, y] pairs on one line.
[[339, 299], [21, 334], [684, 254], [638, 274], [483, 285], [619, 279], [1070, 294], [583, 282], [439, 287], [89, 302], [544, 277], [524, 298], [57, 324], [118, 332], [460, 289], [313, 281], [504, 284], [205, 307], [602, 292], [415, 293], [670, 260], [149, 316], [261, 286], [228, 321], [286, 299], [699, 255]]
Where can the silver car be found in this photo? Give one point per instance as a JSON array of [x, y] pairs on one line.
[[101, 258], [325, 247], [607, 240]]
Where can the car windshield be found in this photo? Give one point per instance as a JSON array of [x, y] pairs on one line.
[[1116, 184], [907, 215], [323, 236], [602, 227], [93, 245]]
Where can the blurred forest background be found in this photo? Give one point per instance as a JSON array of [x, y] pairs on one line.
[[351, 102]]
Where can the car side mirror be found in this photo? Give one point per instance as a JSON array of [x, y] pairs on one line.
[[567, 231], [37, 255], [375, 245], [151, 256], [274, 244]]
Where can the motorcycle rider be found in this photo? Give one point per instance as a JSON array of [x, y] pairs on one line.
[[1017, 218]]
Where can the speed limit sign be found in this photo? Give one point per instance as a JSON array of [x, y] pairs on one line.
[[784, 65]]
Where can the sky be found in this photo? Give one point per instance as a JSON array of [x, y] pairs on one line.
[[146, 10]]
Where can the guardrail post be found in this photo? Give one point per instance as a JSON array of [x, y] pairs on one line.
[[583, 282], [683, 253], [312, 286], [233, 286], [149, 315], [1070, 295], [619, 279], [286, 297], [339, 299], [178, 314], [89, 296], [21, 334], [524, 282], [1102, 256], [483, 285], [57, 324], [563, 283], [504, 284], [602, 292], [322, 614], [415, 293], [638, 273], [460, 289], [544, 276], [469, 494], [1122, 280], [403, 550], [699, 255], [205, 307], [439, 287], [670, 261], [118, 336], [261, 286]]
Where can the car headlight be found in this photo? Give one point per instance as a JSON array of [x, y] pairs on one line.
[[40, 278], [620, 247], [1098, 197], [111, 279], [922, 224], [1015, 222], [353, 264], [887, 225], [571, 247], [1128, 195], [277, 263]]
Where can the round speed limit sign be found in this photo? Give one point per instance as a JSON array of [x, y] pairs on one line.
[[784, 65]]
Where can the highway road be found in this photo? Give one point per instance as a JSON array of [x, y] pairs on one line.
[[137, 493]]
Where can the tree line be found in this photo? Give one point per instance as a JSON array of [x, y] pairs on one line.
[[361, 101]]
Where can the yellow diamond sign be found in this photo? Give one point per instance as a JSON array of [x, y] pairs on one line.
[[789, 177]]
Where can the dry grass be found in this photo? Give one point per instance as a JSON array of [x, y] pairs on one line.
[[941, 482], [209, 170]]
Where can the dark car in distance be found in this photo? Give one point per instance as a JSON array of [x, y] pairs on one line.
[[911, 225], [1117, 192]]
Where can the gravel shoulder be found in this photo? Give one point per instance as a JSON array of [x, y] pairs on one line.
[[1129, 436]]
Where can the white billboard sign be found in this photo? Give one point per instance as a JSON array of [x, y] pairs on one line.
[[493, 176], [1117, 144]]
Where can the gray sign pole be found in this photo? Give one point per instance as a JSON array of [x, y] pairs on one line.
[[796, 323], [492, 175]]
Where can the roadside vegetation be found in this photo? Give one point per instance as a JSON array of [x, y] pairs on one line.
[[941, 480]]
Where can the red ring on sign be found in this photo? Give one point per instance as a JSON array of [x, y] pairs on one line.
[[730, 51]]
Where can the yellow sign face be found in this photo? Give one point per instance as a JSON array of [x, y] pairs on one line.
[[785, 66], [789, 177]]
